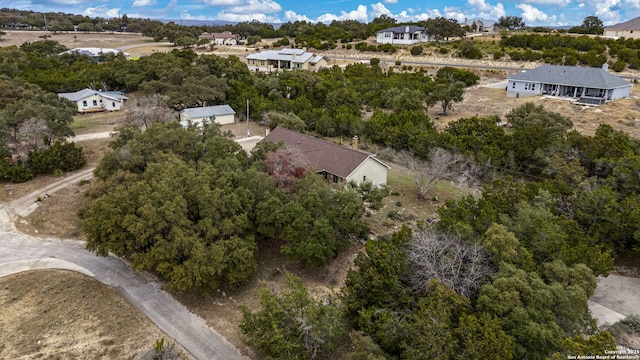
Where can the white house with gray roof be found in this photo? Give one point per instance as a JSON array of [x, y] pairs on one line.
[[90, 100], [584, 85], [403, 35], [221, 114], [285, 59]]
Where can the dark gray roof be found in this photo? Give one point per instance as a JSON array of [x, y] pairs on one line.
[[323, 155], [208, 111], [633, 24], [596, 78], [404, 29]]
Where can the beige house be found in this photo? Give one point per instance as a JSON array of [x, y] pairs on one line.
[[337, 164], [285, 59], [223, 38], [89, 100], [628, 30], [221, 114]]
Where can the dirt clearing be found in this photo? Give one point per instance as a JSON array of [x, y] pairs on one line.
[[61, 314]]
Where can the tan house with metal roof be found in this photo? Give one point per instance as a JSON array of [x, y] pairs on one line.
[[335, 163], [628, 29]]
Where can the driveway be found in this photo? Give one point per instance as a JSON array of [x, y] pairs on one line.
[[615, 298], [20, 252]]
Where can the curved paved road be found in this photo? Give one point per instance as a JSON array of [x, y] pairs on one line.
[[21, 252]]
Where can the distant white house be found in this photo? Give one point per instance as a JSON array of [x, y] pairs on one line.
[[90, 100], [403, 35], [482, 25], [223, 38], [628, 29], [285, 59], [95, 53], [583, 84], [221, 114]]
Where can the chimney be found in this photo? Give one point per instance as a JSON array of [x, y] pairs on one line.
[[605, 67], [354, 143]]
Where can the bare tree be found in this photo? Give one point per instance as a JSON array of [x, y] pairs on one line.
[[462, 266], [148, 110], [442, 165], [33, 133]]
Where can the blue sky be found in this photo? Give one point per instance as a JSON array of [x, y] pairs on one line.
[[533, 12]]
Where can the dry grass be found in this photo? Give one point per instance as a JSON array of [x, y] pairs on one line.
[[62, 314]]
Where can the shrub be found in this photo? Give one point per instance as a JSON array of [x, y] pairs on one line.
[[398, 63], [374, 61], [293, 325], [619, 66], [443, 50], [416, 50], [469, 50], [60, 156], [498, 55]]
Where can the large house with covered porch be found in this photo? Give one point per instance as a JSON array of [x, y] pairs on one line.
[[403, 35], [285, 59], [582, 84]]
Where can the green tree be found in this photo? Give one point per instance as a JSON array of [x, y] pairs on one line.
[[442, 28], [446, 94], [510, 22], [293, 325], [592, 25], [536, 312]]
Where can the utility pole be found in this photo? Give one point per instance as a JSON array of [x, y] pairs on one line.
[[248, 130]]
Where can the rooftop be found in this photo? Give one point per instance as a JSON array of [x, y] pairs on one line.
[[572, 76], [85, 93], [633, 24], [323, 155], [208, 111]]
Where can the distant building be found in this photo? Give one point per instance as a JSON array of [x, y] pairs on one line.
[[89, 100], [628, 29], [583, 84], [482, 25], [285, 59], [223, 38], [403, 35], [337, 164], [220, 114], [96, 54]]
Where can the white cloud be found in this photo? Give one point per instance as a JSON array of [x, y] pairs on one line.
[[255, 7], [581, 5], [184, 14], [263, 18], [102, 11], [549, 2], [223, 2], [139, 3], [378, 9], [390, 1], [486, 10], [360, 14], [532, 15], [292, 16]]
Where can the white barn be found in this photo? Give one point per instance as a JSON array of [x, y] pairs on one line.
[[221, 114], [584, 85]]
